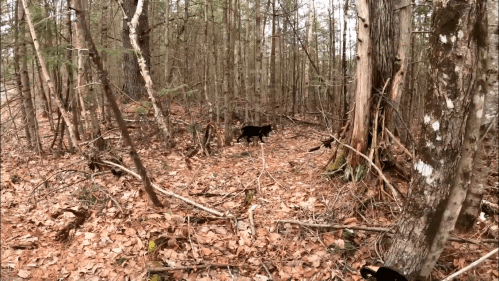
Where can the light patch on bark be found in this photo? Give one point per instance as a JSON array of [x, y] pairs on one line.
[[479, 113], [424, 169], [430, 145], [435, 126], [453, 39], [443, 39], [439, 138], [450, 104], [427, 119], [460, 34]]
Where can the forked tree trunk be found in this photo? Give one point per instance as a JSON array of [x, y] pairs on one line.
[[58, 101], [94, 54], [363, 86], [444, 164]]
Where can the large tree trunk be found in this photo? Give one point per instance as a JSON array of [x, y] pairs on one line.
[[444, 161], [134, 83], [402, 61], [94, 54], [307, 73], [226, 71], [364, 85]]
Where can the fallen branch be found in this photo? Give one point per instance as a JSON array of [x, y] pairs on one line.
[[335, 226], [473, 264], [377, 229], [213, 265], [399, 144], [169, 193]]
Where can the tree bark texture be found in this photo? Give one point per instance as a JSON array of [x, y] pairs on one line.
[[440, 164], [134, 83], [364, 84]]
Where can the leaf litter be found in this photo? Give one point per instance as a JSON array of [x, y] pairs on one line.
[[123, 237]]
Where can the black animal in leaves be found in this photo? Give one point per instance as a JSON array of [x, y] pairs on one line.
[[251, 131], [382, 274]]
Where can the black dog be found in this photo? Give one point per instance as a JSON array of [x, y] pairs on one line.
[[251, 131]]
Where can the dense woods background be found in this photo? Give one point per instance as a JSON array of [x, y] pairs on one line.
[[403, 93]]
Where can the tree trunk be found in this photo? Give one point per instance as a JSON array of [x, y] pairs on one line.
[[344, 66], [307, 73], [402, 61], [227, 70], [472, 204], [33, 136], [443, 170], [82, 80], [272, 65], [58, 101], [158, 114], [258, 62], [363, 85], [134, 83], [94, 54]]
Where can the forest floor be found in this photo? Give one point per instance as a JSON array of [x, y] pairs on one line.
[[124, 234]]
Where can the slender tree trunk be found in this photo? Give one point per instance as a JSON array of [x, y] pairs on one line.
[[247, 64], [58, 101], [307, 73], [33, 136], [344, 95], [472, 204], [94, 54], [82, 79], [444, 164], [167, 42], [258, 62], [227, 81], [206, 61], [272, 65]]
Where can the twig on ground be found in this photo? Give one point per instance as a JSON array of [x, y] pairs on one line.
[[389, 230], [473, 264], [405, 150], [394, 190], [267, 270], [335, 226], [163, 269], [169, 193]]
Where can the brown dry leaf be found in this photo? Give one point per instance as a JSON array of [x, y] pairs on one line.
[[350, 221], [24, 273]]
